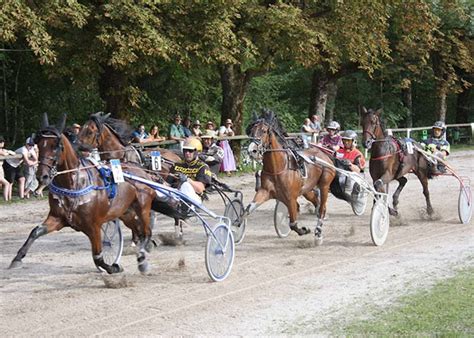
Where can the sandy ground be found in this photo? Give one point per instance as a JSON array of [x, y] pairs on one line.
[[277, 286]]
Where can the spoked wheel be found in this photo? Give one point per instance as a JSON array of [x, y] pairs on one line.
[[359, 199], [465, 204], [235, 211], [220, 251], [379, 221], [112, 242], [281, 220]]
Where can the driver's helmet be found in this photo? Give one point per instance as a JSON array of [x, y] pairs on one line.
[[192, 143], [350, 135], [333, 125], [440, 125]]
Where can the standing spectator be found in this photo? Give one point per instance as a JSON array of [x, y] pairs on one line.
[[155, 135], [316, 126], [197, 129], [3, 180], [332, 140], [30, 165], [176, 132], [140, 135], [187, 126], [14, 172], [228, 163], [211, 128], [306, 128]]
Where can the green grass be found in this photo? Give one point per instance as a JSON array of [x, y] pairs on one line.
[[445, 310]]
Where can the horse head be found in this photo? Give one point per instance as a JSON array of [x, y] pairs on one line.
[[50, 143], [371, 126]]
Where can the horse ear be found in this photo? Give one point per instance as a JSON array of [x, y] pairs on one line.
[[62, 123], [254, 116], [379, 111], [44, 121], [364, 110], [106, 116]]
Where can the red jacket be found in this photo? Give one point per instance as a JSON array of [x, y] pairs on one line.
[[352, 155]]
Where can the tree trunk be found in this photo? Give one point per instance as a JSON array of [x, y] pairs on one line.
[[17, 118], [5, 98], [441, 104], [319, 95], [408, 103], [112, 89], [234, 86], [331, 104], [464, 105]]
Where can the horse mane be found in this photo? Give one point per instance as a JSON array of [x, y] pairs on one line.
[[270, 118], [119, 128]]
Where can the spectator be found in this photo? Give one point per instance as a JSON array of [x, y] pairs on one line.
[[306, 128], [140, 135], [30, 165], [315, 125], [228, 163], [211, 128], [155, 135], [212, 154], [197, 129], [332, 140], [3, 181], [186, 127], [176, 132], [14, 172]]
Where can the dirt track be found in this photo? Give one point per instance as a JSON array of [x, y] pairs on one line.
[[277, 286]]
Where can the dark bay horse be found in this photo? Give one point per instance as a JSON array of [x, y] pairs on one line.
[[282, 180], [111, 137], [390, 161], [81, 197]]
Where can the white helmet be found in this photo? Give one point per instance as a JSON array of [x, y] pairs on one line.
[[333, 125]]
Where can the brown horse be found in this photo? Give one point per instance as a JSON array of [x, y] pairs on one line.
[[82, 197], [281, 178], [389, 161], [111, 137]]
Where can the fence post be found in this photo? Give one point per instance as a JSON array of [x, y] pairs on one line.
[[408, 132]]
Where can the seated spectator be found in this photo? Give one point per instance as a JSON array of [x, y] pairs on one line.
[[228, 163], [197, 129], [3, 181], [155, 135], [30, 165], [140, 135], [212, 154]]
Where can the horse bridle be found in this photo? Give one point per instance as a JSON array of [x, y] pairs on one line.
[[52, 160], [372, 135]]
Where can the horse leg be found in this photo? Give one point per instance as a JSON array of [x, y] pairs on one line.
[[96, 245], [51, 224], [424, 182], [293, 213], [144, 237], [324, 194], [402, 182], [260, 197], [379, 187]]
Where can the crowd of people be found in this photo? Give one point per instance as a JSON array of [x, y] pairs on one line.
[[203, 151]]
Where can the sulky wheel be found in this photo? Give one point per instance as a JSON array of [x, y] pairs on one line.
[[465, 204], [379, 222], [112, 241], [281, 220], [359, 199], [234, 210], [220, 251]]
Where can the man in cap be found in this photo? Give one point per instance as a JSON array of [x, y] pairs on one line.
[[212, 154]]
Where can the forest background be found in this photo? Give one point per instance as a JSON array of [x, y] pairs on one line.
[[144, 61]]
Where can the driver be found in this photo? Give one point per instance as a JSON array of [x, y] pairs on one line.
[[437, 145], [191, 176], [212, 154], [352, 160], [332, 140]]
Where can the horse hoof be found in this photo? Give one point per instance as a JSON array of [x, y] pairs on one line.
[[318, 240], [15, 264], [144, 267], [392, 212], [116, 268]]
